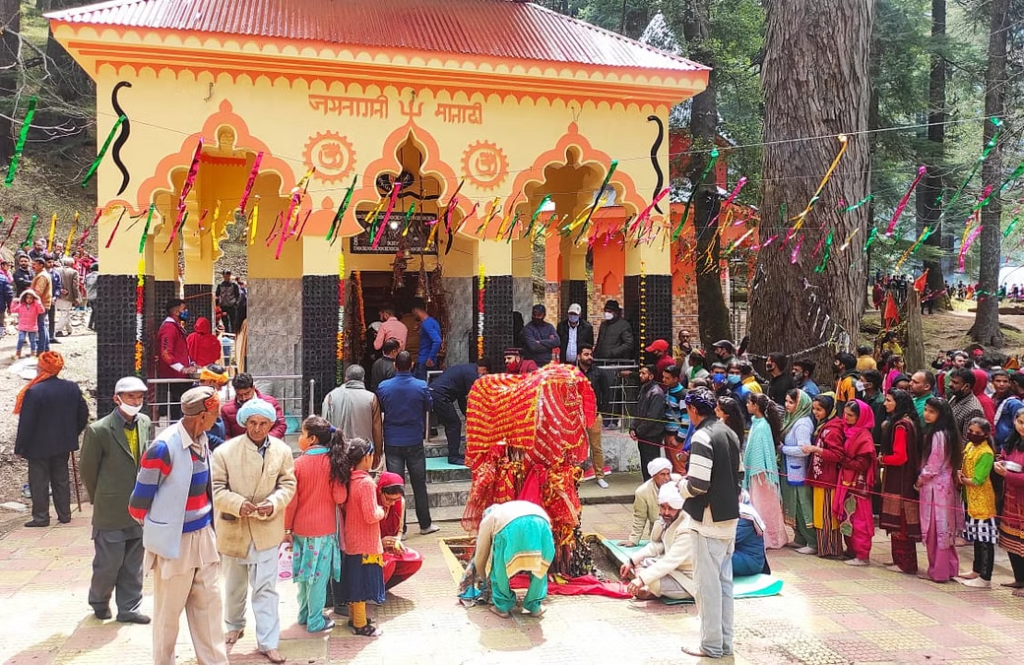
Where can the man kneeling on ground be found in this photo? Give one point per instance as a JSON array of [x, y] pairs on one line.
[[664, 567], [645, 500]]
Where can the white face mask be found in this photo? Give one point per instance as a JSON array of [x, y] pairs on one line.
[[129, 410], [608, 316]]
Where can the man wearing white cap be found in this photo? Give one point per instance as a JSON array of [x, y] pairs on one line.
[[111, 450], [573, 333], [645, 500], [253, 477], [664, 567]]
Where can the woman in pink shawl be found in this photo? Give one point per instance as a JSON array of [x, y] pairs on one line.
[[852, 502], [400, 562], [942, 517]]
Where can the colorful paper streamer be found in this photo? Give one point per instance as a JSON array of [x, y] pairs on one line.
[[103, 151], [844, 143], [921, 171], [19, 147], [686, 209], [252, 181], [332, 234]]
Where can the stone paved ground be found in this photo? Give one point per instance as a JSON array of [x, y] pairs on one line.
[[828, 613]]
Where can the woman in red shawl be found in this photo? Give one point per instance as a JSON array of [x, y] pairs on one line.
[[400, 562], [203, 346], [987, 405], [852, 503]]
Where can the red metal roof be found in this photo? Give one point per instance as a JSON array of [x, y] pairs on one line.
[[494, 28]]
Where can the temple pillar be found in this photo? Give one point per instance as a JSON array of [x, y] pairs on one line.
[[496, 258], [648, 294], [573, 285], [320, 319]]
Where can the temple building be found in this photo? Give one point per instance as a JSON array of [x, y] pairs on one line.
[[466, 125]]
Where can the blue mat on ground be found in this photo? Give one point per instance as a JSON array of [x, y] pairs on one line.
[[755, 586]]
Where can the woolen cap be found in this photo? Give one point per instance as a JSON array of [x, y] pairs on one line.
[[197, 400]]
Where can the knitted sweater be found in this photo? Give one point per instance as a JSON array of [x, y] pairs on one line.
[[312, 512], [362, 516]]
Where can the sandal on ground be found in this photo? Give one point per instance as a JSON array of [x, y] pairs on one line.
[[233, 636], [1013, 585], [352, 625], [369, 630], [495, 610], [273, 655]]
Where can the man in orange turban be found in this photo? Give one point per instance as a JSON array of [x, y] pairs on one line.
[[52, 414]]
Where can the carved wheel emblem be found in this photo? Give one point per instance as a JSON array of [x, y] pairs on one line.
[[332, 156], [485, 165]]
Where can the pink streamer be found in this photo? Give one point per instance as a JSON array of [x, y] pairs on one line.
[[387, 214], [903, 202], [967, 245], [796, 250], [732, 197], [817, 248], [252, 181], [647, 211], [85, 234]]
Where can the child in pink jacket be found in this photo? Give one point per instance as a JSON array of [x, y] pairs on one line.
[[28, 308], [362, 574]]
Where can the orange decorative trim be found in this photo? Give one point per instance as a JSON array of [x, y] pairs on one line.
[[629, 87], [161, 178]]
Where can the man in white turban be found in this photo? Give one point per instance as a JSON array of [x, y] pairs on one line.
[[664, 567], [645, 500], [253, 481]]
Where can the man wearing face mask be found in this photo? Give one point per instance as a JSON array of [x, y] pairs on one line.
[[962, 401], [540, 337], [111, 450], [174, 361], [719, 382], [803, 370], [779, 380], [724, 351], [574, 333]]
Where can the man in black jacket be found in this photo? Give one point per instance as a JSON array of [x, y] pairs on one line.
[[383, 368], [23, 275], [52, 414], [450, 388], [574, 333], [648, 427], [228, 297], [540, 337], [780, 381], [615, 343], [599, 382]]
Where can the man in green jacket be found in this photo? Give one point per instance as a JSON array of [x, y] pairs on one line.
[[111, 450]]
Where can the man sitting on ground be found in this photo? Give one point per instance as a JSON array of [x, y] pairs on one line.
[[664, 567], [645, 500]]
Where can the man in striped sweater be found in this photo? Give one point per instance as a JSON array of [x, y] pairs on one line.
[[711, 490], [174, 503]]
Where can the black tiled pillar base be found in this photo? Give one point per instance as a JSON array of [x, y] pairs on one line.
[[319, 337], [573, 291], [115, 335], [200, 303], [498, 304], [658, 308]]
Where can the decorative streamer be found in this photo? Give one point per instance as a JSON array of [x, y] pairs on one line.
[[199, 225], [252, 181], [844, 143], [921, 171], [140, 289], [827, 254], [732, 197], [53, 229], [796, 250], [332, 235], [858, 204], [966, 246], [103, 151], [735, 244], [925, 233], [1017, 173], [126, 130], [492, 210], [1006, 233], [71, 234], [304, 220], [291, 220], [817, 247], [254, 221], [597, 198], [387, 215], [989, 147], [178, 225], [849, 239], [117, 225], [871, 239], [646, 212], [481, 284], [407, 222], [9, 231], [509, 209], [19, 147], [31, 236], [145, 230], [686, 210], [340, 351]]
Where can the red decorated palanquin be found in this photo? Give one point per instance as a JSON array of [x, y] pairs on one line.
[[525, 439]]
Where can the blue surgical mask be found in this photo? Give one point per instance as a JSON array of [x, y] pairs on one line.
[[574, 318], [718, 378], [184, 315], [734, 378]]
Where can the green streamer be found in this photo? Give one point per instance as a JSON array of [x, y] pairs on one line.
[[336, 223], [686, 210], [103, 151], [145, 231], [1011, 227], [989, 147], [408, 218], [31, 233], [871, 239], [858, 204], [536, 214], [597, 199], [1017, 173], [827, 254], [19, 147]]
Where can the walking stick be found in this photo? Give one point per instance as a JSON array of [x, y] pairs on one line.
[[74, 472]]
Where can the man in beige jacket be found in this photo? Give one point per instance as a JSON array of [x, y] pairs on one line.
[[253, 482], [646, 510], [664, 567]]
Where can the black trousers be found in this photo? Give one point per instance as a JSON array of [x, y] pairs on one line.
[[398, 458], [648, 453], [44, 474], [51, 315], [984, 559], [1017, 564], [117, 566], [227, 317], [448, 417]]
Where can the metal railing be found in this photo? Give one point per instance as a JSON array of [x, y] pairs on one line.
[[624, 384], [285, 388]]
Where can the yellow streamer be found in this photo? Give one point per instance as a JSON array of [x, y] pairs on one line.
[[849, 239], [372, 216], [253, 223], [802, 217], [53, 229], [71, 235]]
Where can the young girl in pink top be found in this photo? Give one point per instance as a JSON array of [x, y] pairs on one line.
[[362, 575], [28, 308]]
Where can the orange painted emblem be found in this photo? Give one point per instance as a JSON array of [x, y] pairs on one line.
[[484, 164], [332, 156]]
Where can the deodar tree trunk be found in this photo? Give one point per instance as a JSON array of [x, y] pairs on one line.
[[816, 83], [712, 313], [986, 322], [928, 204]]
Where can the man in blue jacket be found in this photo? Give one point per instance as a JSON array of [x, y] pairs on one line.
[[448, 389], [540, 337], [405, 401], [430, 341]]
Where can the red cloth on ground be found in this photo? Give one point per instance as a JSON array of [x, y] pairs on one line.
[[400, 567], [587, 585], [203, 346]]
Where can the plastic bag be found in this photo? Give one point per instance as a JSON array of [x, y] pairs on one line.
[[284, 562]]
